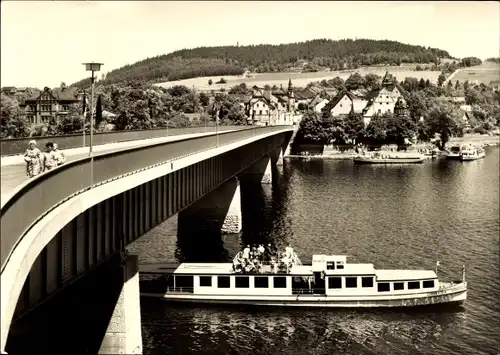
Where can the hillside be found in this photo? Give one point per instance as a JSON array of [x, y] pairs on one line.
[[304, 56]]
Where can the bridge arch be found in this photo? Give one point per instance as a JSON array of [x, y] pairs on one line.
[[33, 242]]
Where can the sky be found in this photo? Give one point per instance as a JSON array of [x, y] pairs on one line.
[[44, 43]]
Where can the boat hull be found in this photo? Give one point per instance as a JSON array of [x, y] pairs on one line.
[[453, 156], [361, 160], [454, 295], [471, 158]]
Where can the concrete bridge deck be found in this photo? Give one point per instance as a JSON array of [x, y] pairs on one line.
[[13, 172]]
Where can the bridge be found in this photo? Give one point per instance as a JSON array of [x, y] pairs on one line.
[[75, 221]]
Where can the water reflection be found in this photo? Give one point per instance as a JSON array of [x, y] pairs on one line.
[[278, 331]]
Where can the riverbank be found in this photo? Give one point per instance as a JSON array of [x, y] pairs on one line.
[[329, 152]]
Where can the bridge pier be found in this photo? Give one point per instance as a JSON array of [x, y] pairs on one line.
[[219, 211], [123, 334], [261, 171]]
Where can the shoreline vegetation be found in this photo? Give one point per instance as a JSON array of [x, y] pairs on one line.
[[329, 152]]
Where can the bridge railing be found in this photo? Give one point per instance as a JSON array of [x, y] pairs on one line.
[[39, 195]]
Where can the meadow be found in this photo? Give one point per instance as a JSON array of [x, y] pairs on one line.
[[483, 73], [298, 79]]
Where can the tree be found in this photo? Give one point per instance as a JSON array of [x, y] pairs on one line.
[[13, 123], [428, 83], [239, 89], [416, 104], [444, 120], [210, 82], [354, 81], [421, 84], [354, 127], [473, 97], [204, 99], [457, 85], [372, 81], [315, 129], [337, 83], [399, 128], [98, 112], [466, 85], [376, 131], [441, 79], [236, 115]]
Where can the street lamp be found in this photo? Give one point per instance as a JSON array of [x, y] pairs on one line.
[[93, 67]]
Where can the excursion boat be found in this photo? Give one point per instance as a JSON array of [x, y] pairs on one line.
[[390, 158], [330, 281], [471, 153], [454, 152]]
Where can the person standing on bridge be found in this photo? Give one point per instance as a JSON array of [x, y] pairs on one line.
[[34, 160], [60, 157], [50, 160]]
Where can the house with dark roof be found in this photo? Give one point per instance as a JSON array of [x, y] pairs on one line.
[[383, 100], [40, 106], [341, 104]]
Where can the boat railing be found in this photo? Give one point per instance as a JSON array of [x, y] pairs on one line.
[[180, 289]]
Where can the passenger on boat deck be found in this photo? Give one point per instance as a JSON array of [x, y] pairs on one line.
[[261, 249], [246, 252]]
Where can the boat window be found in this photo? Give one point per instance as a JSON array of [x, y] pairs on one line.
[[261, 281], [334, 282], [413, 285], [242, 282], [205, 281], [223, 282], [383, 287], [279, 282], [184, 281], [428, 284], [330, 265], [340, 266], [351, 282], [399, 286], [367, 282]]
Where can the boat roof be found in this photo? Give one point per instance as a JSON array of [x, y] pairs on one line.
[[392, 275], [204, 268], [349, 269]]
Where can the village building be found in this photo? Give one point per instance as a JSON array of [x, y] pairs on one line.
[[340, 105], [268, 107], [383, 100], [318, 103], [40, 106]]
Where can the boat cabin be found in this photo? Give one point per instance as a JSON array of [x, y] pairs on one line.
[[327, 275]]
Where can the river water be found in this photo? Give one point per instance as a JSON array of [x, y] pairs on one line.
[[393, 216]]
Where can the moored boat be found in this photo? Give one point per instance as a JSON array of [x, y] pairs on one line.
[[329, 281], [389, 158], [454, 152], [471, 153]]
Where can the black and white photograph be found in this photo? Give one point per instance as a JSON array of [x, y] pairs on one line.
[[250, 177]]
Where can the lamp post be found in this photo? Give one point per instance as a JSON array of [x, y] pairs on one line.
[[92, 67], [217, 124]]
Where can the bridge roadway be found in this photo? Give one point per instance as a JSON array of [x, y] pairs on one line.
[[13, 172], [59, 226]]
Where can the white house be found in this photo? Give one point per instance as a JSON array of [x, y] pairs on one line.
[[341, 104]]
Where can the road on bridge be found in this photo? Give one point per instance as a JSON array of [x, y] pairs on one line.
[[14, 169]]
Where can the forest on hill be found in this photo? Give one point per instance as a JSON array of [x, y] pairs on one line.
[[235, 60]]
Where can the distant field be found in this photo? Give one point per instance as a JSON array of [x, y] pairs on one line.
[[483, 73], [298, 79]]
